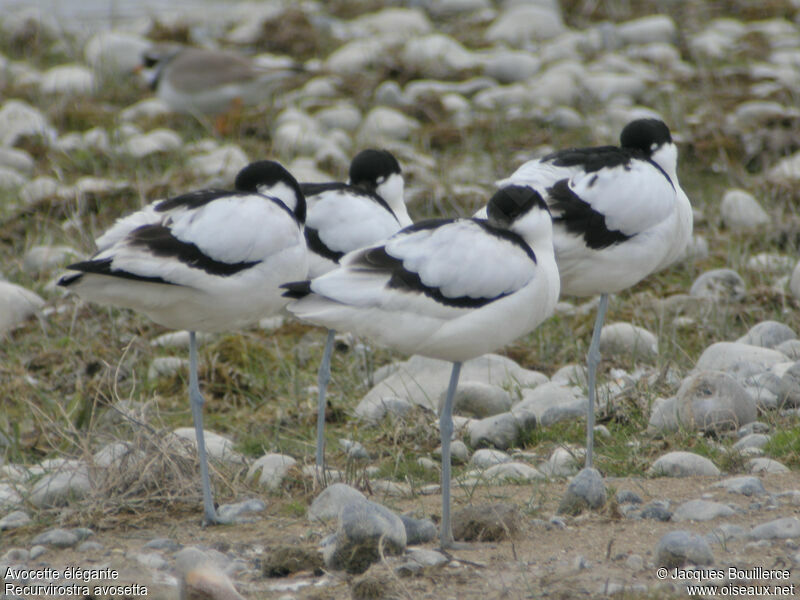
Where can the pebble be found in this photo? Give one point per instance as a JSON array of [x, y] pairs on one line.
[[330, 502], [118, 455], [682, 464], [625, 339], [354, 450], [17, 160], [16, 305], [56, 489], [561, 463], [165, 544], [740, 211], [521, 24], [166, 366], [701, 510], [768, 334], [628, 497], [753, 440], [500, 431], [720, 285], [14, 519], [513, 471], [478, 399], [745, 485], [418, 531], [725, 533], [422, 381], [585, 491], [383, 125], [678, 548], [366, 532], [725, 356], [11, 179], [153, 142], [713, 401], [794, 281], [655, 511], [765, 465], [19, 119], [218, 447], [271, 469], [57, 538], [68, 80], [437, 56], [459, 453], [788, 390], [115, 53], [547, 404], [485, 458], [222, 163], [240, 512], [783, 528]]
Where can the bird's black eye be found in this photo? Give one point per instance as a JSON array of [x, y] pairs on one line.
[[149, 61]]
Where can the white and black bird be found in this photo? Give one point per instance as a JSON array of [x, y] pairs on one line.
[[619, 214], [343, 217], [201, 81], [209, 260], [447, 289]]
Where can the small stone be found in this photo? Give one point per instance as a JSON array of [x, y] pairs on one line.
[[512, 471], [58, 538], [726, 356], [384, 125], [271, 470], [682, 464], [240, 512], [562, 463], [740, 211], [655, 511], [500, 431], [153, 142], [478, 399], [721, 285], [166, 366], [547, 404], [585, 490], [486, 522], [524, 23], [788, 392], [366, 531], [701, 510], [783, 528], [354, 450], [768, 334], [149, 560], [714, 401], [625, 339], [678, 548], [218, 447], [628, 497], [753, 440], [67, 80], [418, 531], [58, 488], [726, 533], [485, 458], [332, 500], [745, 485], [14, 519], [223, 163], [165, 544], [634, 563], [16, 305], [765, 465]]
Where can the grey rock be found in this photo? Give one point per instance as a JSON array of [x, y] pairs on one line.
[[628, 497], [422, 381], [634, 563], [788, 390], [678, 548], [626, 339], [459, 453], [585, 490], [418, 531], [790, 348], [486, 522], [332, 500], [218, 446], [726, 356], [366, 532], [513, 471], [437, 56], [271, 469], [165, 544], [14, 519], [765, 465], [240, 512], [419, 560], [740, 211], [9, 496], [18, 160], [768, 334], [150, 560], [664, 415], [521, 24], [714, 401], [19, 119], [58, 538], [507, 66], [770, 262], [500, 431], [89, 546], [683, 464], [721, 285], [478, 399], [726, 533], [745, 485], [701, 510], [647, 30], [120, 455], [561, 463], [754, 427], [56, 489], [354, 450], [547, 404], [655, 511], [783, 528], [18, 555], [753, 440], [485, 458], [794, 281], [166, 366], [16, 305]]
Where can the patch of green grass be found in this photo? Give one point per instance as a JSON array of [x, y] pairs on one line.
[[784, 446]]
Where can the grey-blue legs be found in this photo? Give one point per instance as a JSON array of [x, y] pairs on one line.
[[446, 430], [196, 401], [593, 360]]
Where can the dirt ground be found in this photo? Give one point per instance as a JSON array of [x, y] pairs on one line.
[[587, 559]]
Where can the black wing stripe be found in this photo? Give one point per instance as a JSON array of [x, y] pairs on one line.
[[317, 246], [160, 241], [103, 267], [581, 219]]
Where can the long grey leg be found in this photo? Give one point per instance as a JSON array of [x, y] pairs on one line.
[[593, 359], [446, 430], [196, 401], [323, 377]]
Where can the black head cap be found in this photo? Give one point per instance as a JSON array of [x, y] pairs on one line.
[[369, 166], [645, 135], [511, 202], [262, 175]]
